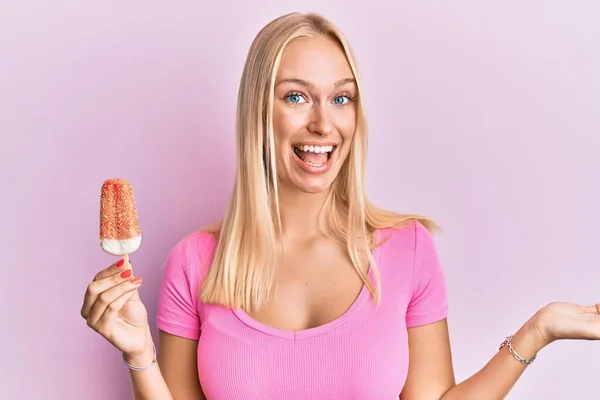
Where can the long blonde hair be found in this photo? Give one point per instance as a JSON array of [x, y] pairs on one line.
[[244, 265]]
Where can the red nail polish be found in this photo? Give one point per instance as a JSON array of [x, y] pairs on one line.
[[120, 263], [136, 280], [126, 274]]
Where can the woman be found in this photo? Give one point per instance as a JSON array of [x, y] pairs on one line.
[[306, 290]]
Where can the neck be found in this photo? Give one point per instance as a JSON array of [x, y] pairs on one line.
[[300, 211]]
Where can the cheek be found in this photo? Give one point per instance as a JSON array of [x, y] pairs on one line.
[[286, 122], [346, 127], [348, 132]]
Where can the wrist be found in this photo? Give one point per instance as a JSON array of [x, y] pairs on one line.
[[525, 344], [142, 359], [533, 335], [539, 325]]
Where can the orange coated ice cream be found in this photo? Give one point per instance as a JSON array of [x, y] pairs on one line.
[[120, 232]]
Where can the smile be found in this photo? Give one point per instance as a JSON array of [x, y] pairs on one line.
[[314, 159], [314, 155]]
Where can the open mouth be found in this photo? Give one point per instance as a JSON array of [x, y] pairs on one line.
[[315, 156]]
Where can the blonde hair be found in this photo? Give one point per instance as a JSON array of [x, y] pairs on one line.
[[243, 268]]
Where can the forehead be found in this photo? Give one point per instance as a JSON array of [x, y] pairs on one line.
[[320, 60]]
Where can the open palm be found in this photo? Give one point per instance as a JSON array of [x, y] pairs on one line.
[[560, 320]]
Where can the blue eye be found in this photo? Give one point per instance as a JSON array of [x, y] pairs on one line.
[[341, 100], [294, 98]]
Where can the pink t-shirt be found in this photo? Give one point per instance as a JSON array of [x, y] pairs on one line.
[[361, 355]]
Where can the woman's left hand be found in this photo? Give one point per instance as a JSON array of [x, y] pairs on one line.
[[559, 320]]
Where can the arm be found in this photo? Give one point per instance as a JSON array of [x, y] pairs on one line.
[[430, 372], [178, 319], [175, 376], [430, 375], [500, 374], [178, 357], [149, 384]]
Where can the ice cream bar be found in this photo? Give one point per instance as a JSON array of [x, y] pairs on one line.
[[119, 226]]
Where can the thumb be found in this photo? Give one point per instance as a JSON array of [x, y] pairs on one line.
[[136, 295], [595, 309]]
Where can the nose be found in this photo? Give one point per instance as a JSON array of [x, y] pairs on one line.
[[320, 122]]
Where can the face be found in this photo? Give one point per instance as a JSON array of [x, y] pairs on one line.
[[314, 113]]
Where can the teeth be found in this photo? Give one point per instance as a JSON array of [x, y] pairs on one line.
[[315, 149]]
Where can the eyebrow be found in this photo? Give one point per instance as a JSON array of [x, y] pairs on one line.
[[308, 84]]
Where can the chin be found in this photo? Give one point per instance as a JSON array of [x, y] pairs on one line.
[[313, 186]]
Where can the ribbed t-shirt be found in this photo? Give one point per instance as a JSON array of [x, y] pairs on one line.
[[361, 355]]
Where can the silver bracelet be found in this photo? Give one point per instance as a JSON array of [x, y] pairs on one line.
[[141, 369], [508, 342]]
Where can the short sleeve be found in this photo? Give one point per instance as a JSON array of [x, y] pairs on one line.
[[177, 311], [428, 301]]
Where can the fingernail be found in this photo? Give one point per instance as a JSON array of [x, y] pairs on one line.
[[126, 274], [120, 263], [136, 280]]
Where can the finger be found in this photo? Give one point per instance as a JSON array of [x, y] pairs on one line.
[[113, 309], [108, 297], [114, 268], [97, 287]]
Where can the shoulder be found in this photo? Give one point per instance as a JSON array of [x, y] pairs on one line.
[[192, 254], [178, 308], [407, 237], [408, 250]]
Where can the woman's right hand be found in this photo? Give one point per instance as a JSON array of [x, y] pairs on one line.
[[112, 307]]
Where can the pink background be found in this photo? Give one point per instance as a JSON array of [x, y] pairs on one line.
[[488, 110]]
